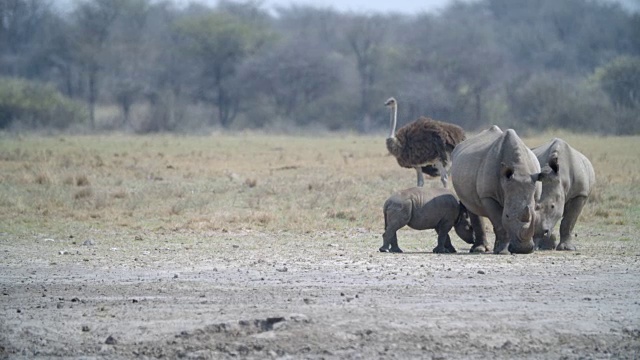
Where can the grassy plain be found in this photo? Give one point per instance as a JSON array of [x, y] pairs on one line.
[[188, 246], [60, 185]]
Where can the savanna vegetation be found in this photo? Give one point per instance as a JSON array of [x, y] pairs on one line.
[[167, 184], [149, 66]]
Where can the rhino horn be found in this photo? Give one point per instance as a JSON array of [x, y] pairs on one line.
[[528, 230], [525, 215]]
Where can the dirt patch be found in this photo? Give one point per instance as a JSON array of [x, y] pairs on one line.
[[324, 295]]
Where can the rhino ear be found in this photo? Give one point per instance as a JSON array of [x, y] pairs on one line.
[[506, 171], [553, 163]]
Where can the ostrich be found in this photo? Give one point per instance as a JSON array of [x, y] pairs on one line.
[[423, 144]]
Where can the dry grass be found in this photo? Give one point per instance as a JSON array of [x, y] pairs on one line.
[[248, 182]]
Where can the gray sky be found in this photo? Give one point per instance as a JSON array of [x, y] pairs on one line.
[[401, 6]]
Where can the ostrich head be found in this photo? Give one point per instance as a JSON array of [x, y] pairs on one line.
[[392, 104]]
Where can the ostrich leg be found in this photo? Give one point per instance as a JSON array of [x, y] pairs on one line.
[[444, 177], [420, 176]]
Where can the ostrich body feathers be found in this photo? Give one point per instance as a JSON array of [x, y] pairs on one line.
[[424, 141]]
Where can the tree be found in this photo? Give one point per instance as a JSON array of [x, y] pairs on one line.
[[293, 75], [364, 36], [22, 23], [129, 56], [93, 22], [220, 41], [620, 79]]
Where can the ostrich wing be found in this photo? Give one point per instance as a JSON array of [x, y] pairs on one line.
[[422, 142], [451, 134]]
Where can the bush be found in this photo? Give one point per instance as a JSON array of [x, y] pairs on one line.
[[29, 104], [551, 101]]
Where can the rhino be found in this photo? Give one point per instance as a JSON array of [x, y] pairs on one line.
[[496, 176], [567, 180], [424, 208]]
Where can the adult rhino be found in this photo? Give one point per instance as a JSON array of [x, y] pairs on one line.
[[567, 180], [496, 176]]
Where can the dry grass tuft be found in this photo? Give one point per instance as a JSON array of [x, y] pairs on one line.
[[69, 180], [119, 194], [82, 180], [341, 215], [83, 194], [42, 179]]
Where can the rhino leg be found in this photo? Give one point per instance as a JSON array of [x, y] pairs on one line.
[[389, 237], [395, 217], [480, 245], [547, 243], [572, 210], [494, 210], [444, 243], [449, 246]]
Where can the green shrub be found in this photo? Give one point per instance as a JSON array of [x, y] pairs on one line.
[[31, 105]]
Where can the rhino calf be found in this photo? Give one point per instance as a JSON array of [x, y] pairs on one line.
[[423, 208], [567, 180]]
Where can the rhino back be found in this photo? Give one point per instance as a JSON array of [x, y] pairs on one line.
[[433, 207], [575, 170]]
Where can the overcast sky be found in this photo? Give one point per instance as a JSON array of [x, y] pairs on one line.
[[381, 6], [401, 6]]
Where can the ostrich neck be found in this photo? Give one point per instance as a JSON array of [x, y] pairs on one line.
[[394, 119]]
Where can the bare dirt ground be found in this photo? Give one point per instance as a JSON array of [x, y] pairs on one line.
[[322, 295]]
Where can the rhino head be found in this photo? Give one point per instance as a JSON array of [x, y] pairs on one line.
[[518, 214], [463, 226], [551, 204]]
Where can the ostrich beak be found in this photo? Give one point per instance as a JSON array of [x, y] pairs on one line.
[[391, 102]]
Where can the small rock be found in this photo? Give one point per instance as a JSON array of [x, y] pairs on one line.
[[48, 239], [138, 238], [88, 242], [175, 276], [299, 318], [282, 269], [110, 340], [481, 272], [60, 305], [62, 252], [236, 246], [85, 328]]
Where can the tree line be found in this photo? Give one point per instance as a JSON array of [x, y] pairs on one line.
[[146, 66]]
